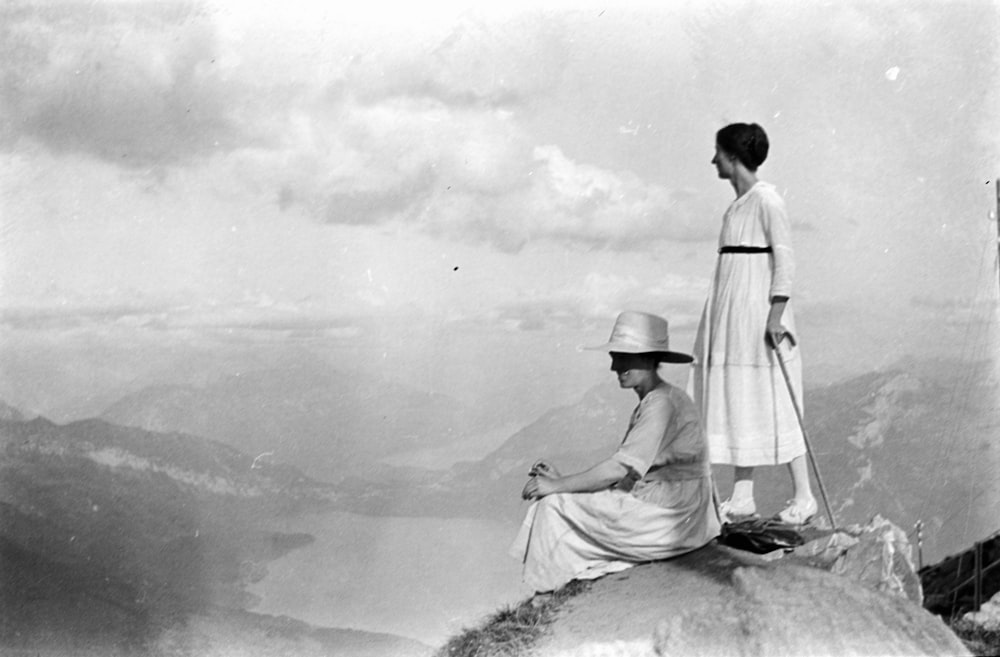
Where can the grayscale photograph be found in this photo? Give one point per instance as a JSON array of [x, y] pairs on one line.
[[489, 329]]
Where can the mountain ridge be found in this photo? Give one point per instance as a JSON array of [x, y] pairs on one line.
[[119, 541], [890, 442], [326, 423], [8, 412]]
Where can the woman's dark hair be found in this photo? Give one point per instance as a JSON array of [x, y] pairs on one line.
[[746, 141]]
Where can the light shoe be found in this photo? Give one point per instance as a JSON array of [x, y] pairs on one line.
[[797, 512], [730, 511]]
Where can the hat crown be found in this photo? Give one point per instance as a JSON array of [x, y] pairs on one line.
[[640, 332]]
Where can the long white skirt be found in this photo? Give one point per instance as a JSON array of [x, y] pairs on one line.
[[749, 416], [747, 410], [586, 535]]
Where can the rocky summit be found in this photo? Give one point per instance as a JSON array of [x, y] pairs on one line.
[[723, 601]]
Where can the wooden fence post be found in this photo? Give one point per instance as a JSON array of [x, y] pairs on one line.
[[920, 544], [977, 585]]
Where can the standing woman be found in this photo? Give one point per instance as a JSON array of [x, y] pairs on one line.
[[738, 385]]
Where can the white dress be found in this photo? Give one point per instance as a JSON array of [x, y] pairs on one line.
[[663, 508], [736, 379]]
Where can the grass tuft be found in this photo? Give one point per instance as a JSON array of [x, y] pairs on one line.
[[981, 641], [512, 630]]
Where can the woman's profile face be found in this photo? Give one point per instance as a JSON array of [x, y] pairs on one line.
[[724, 163], [632, 369]]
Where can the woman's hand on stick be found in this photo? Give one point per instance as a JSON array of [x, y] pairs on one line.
[[774, 330], [775, 333]]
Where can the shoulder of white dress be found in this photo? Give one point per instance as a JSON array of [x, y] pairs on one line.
[[663, 393], [768, 193], [678, 396]]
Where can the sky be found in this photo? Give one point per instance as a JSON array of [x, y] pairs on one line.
[[458, 195]]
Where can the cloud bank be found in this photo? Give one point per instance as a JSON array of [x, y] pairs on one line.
[[421, 131]]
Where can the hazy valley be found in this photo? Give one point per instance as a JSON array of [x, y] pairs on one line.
[[218, 521], [328, 424], [119, 541]]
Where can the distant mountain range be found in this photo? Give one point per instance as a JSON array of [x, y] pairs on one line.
[[125, 534], [8, 412], [114, 540], [326, 423], [916, 442]]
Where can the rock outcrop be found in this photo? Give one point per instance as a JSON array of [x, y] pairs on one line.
[[721, 601], [877, 555], [988, 616]]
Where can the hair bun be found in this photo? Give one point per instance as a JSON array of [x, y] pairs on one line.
[[747, 141]]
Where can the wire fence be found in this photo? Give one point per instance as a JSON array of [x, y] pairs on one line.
[[974, 575]]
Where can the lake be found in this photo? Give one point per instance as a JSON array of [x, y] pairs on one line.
[[424, 578]]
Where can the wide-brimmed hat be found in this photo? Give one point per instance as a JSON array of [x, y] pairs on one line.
[[642, 333]]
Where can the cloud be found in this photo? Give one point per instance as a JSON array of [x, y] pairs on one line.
[[67, 317], [427, 132], [599, 296], [961, 310], [59, 309], [822, 78], [588, 204], [351, 163], [470, 175], [480, 62], [421, 130], [952, 303], [128, 83], [136, 310]]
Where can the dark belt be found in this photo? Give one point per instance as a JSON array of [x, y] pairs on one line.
[[745, 249]]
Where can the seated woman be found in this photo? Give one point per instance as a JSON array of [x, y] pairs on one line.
[[651, 499]]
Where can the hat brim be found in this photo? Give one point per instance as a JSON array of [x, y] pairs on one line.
[[675, 357], [662, 356]]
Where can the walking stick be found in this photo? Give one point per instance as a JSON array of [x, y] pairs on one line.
[[805, 437]]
